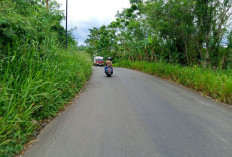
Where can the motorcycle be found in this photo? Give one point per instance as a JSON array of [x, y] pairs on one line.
[[108, 71]]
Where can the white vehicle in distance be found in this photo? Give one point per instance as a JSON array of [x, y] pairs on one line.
[[98, 61]]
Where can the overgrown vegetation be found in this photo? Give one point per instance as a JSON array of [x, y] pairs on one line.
[[214, 83], [187, 32], [194, 33], [37, 76]]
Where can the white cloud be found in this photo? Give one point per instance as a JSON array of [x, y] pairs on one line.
[[85, 14]]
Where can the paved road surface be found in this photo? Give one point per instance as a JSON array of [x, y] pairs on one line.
[[137, 115]]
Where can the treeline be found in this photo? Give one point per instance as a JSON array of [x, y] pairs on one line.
[[37, 74], [187, 32]]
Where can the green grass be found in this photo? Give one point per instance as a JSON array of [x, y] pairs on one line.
[[214, 83], [37, 75], [35, 83]]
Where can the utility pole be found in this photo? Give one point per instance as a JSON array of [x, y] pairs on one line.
[[66, 24]]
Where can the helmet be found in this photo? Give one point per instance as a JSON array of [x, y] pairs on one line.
[[109, 58]]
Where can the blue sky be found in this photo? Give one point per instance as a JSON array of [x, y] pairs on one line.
[[85, 14]]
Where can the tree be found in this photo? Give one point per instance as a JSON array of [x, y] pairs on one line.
[[187, 32]]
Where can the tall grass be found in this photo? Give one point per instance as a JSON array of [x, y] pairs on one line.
[[35, 83], [214, 83]]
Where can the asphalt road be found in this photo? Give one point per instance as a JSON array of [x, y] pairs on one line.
[[133, 114]]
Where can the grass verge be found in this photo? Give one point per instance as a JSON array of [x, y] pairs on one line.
[[34, 85], [214, 83]]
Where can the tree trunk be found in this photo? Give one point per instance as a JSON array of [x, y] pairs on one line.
[[206, 59], [153, 53], [141, 57], [47, 4], [186, 53], [146, 54], [222, 61], [170, 56]]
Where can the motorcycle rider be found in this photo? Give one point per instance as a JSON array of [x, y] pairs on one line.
[[109, 61], [109, 64]]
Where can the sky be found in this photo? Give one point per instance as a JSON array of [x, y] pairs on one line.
[[85, 14]]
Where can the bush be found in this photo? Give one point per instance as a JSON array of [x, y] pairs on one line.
[[37, 76], [34, 86]]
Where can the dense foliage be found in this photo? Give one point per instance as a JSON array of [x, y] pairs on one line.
[[187, 32], [37, 76]]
